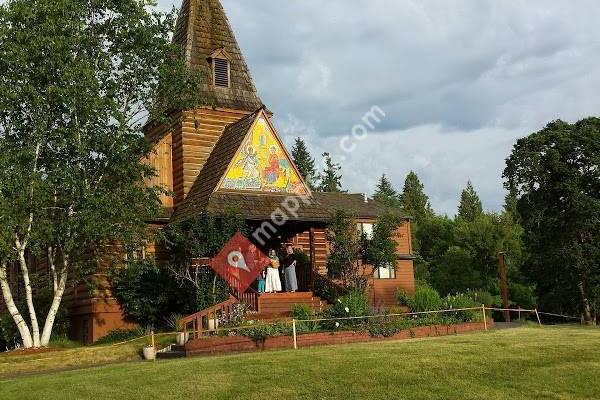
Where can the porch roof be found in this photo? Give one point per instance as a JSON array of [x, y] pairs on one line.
[[317, 208]]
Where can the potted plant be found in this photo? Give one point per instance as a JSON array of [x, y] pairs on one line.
[[149, 352], [149, 349], [175, 322]]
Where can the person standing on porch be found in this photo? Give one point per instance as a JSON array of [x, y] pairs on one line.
[[273, 283], [289, 263]]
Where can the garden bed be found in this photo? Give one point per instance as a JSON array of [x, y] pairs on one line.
[[217, 345]]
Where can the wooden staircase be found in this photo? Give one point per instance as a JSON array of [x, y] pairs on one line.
[[281, 305]]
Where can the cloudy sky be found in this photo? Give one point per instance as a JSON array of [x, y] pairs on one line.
[[459, 81]]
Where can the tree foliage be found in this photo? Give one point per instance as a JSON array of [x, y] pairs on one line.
[[470, 207], [77, 81], [385, 193], [201, 237], [330, 181], [381, 250], [345, 251], [555, 174], [413, 199], [305, 162], [351, 250]]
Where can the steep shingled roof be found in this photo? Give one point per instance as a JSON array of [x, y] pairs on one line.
[[215, 167], [202, 28]]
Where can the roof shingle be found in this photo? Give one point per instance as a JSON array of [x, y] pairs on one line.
[[202, 28]]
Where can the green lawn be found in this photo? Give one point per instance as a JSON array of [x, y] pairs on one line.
[[524, 363]]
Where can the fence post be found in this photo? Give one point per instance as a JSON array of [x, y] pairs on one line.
[[519, 313], [294, 333], [484, 317], [537, 314]]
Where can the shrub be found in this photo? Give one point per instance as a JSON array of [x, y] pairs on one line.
[[175, 322], [482, 297], [425, 299], [388, 326], [135, 286], [354, 304], [461, 300], [262, 332], [302, 312], [403, 298], [122, 335]]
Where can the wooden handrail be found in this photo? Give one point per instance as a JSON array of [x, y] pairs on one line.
[[210, 313], [247, 296]]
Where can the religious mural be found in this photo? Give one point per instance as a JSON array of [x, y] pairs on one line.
[[262, 165]]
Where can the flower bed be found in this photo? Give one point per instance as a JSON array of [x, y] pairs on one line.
[[234, 344]]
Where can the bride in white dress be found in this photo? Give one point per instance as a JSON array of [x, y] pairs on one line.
[[273, 283]]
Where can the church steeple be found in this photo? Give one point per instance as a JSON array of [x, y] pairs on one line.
[[209, 44]]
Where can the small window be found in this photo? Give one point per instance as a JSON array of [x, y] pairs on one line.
[[221, 71], [365, 229], [387, 272]]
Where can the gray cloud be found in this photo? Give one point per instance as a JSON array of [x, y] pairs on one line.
[[459, 80]]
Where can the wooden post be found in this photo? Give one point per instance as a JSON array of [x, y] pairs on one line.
[[503, 285], [519, 313], [294, 333], [152, 339], [484, 317], [537, 314], [313, 258]]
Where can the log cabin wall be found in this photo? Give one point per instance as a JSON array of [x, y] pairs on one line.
[[182, 149], [382, 292], [200, 132]]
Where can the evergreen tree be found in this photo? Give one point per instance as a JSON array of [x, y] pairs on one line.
[[304, 162], [413, 199], [510, 204], [330, 179], [385, 192], [470, 206]]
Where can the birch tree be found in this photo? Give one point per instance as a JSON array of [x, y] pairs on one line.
[[78, 79]]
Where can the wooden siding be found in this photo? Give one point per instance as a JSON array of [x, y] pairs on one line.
[[383, 292], [161, 160], [200, 132]]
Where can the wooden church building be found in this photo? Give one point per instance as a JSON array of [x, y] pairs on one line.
[[227, 153]]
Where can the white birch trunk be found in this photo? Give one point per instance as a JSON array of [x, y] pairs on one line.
[[56, 300], [35, 329], [13, 310]]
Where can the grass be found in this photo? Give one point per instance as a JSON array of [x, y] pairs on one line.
[[523, 363], [67, 355]]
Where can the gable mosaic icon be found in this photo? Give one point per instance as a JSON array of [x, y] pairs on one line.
[[262, 165]]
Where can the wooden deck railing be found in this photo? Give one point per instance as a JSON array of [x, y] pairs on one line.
[[201, 321], [247, 296]]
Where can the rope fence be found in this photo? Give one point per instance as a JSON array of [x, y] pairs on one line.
[[294, 322]]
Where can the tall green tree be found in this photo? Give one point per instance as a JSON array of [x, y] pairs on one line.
[[77, 81], [385, 193], [330, 180], [345, 251], [470, 206], [304, 162], [556, 175], [413, 199]]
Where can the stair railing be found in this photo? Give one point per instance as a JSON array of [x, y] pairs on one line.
[[201, 321]]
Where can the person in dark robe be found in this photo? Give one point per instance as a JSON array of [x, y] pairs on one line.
[[289, 269]]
